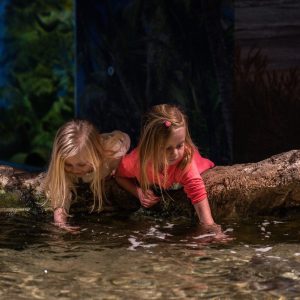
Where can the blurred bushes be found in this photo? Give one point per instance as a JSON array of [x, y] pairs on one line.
[[39, 89]]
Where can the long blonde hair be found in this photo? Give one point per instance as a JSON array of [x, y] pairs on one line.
[[152, 144], [72, 138]]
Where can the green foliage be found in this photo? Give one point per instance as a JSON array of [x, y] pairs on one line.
[[40, 91], [10, 200]]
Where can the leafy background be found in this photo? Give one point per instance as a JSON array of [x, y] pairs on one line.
[[37, 86]]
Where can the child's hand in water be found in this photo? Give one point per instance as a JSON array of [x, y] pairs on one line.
[[60, 220], [214, 230], [148, 198]]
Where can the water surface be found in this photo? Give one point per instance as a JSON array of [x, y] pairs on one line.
[[148, 258]]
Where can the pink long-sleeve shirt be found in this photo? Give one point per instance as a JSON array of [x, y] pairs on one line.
[[189, 178]]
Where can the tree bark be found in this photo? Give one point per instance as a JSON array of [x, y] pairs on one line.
[[240, 190]]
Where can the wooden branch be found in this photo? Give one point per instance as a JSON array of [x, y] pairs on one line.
[[256, 188], [239, 190]]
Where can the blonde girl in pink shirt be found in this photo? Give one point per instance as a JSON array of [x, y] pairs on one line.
[[166, 156]]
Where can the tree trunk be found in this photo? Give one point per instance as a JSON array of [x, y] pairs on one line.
[[240, 190]]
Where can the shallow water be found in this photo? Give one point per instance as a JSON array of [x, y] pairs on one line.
[[147, 258]]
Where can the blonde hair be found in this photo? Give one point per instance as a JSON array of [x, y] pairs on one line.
[[152, 144], [72, 138]]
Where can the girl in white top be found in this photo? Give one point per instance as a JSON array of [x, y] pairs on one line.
[[80, 152]]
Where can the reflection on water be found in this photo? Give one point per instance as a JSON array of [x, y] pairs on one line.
[[144, 258]]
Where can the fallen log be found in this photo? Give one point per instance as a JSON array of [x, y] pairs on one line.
[[240, 190]]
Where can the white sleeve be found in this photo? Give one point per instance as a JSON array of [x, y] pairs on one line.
[[118, 142]]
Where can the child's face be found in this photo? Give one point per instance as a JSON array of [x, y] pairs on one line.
[[78, 165], [175, 146]]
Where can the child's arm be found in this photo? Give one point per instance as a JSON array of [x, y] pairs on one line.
[[61, 218], [125, 176], [147, 199], [61, 214], [60, 210], [203, 212], [196, 191], [206, 220]]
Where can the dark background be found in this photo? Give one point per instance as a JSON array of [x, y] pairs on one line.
[[233, 67], [135, 54], [267, 80]]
